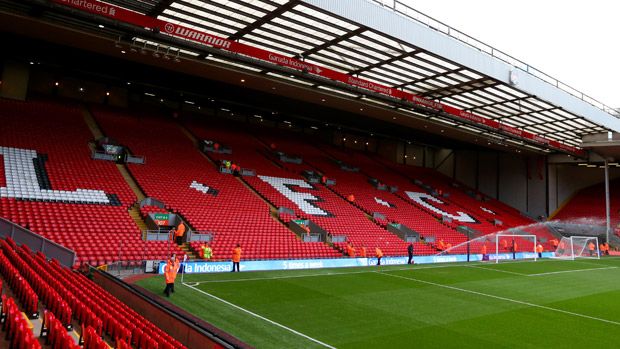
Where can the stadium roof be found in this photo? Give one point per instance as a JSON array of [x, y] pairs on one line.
[[365, 40]]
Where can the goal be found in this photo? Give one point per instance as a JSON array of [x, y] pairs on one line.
[[572, 247], [515, 246]]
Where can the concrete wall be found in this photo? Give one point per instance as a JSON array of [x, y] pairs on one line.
[[465, 163], [444, 160], [488, 173], [502, 176], [513, 181]]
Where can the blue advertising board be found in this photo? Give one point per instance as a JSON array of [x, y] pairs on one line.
[[199, 267]]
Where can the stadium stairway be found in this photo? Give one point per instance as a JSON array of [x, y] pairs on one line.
[[92, 124], [131, 182], [133, 210], [134, 213]]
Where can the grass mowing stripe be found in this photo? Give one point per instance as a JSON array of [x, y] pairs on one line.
[[497, 270], [279, 277], [569, 271], [501, 298], [260, 317]]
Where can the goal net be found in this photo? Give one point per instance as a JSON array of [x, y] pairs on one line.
[[515, 246], [493, 247], [572, 247]]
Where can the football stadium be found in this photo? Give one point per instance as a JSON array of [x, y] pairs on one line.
[[295, 174]]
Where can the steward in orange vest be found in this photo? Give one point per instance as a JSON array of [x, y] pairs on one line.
[[379, 254], [170, 274], [236, 257]]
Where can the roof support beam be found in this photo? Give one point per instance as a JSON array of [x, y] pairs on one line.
[[497, 103], [265, 19], [462, 85], [378, 64], [413, 82], [332, 42]]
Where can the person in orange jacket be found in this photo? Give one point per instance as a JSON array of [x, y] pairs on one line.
[[441, 245], [555, 243], [483, 252], [236, 257], [351, 251], [379, 255], [561, 247], [591, 247], [170, 274], [539, 250], [504, 244], [363, 252], [606, 244], [179, 232]]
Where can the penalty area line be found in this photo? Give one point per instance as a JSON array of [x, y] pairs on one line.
[[260, 317], [502, 298]]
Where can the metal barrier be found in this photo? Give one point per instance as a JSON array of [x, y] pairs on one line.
[[205, 236], [37, 243]]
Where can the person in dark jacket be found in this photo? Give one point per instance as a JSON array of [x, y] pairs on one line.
[[410, 253]]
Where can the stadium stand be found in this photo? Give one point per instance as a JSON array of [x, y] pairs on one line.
[[588, 203], [234, 215], [328, 210], [397, 207], [18, 333], [76, 201], [69, 299]]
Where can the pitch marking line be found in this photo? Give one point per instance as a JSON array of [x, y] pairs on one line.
[[261, 317], [501, 298], [570, 271]]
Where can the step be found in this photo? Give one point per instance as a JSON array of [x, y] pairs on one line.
[[131, 182]]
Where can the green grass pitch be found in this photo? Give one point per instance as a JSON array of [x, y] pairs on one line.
[[524, 304]]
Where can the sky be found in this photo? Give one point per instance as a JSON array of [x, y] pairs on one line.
[[576, 42]]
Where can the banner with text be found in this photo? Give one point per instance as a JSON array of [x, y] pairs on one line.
[[201, 267]]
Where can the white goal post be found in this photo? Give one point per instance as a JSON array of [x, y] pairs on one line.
[[571, 247], [504, 243]]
